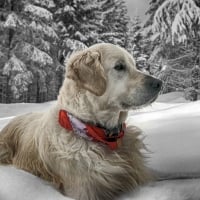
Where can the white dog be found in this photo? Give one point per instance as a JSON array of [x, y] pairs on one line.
[[82, 144]]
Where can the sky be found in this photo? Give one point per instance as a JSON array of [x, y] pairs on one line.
[[137, 8]]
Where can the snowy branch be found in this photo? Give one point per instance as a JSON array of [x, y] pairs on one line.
[[38, 12], [43, 29], [175, 19], [32, 53], [46, 3], [12, 21]]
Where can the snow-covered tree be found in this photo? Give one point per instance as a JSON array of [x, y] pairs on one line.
[[196, 77], [86, 22], [195, 83], [30, 43], [37, 35], [78, 19], [173, 28], [151, 45], [114, 22], [136, 43], [20, 76], [93, 21], [78, 24], [153, 6], [177, 20], [177, 23]]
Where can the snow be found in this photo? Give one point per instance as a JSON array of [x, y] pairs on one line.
[[36, 55], [13, 64], [38, 11], [185, 189], [80, 36], [74, 44], [25, 186], [45, 3], [20, 77], [177, 97], [44, 45], [187, 15], [43, 29], [172, 133], [66, 9], [19, 83], [12, 21]]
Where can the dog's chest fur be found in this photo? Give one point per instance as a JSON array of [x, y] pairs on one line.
[[90, 170], [87, 170]]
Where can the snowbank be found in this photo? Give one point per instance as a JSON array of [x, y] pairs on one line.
[[173, 97], [184, 189], [8, 111], [172, 134], [17, 184]]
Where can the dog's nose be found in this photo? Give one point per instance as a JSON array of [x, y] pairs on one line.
[[153, 83], [156, 83]]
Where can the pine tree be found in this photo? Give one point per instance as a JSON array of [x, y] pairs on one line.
[[177, 20], [136, 43], [77, 22], [152, 45], [86, 22], [195, 83], [173, 28], [30, 42], [168, 16], [78, 19], [114, 22], [153, 6]]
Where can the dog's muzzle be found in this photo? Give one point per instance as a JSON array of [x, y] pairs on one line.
[[143, 94], [152, 84]]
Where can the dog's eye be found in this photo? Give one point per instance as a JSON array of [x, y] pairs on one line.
[[120, 67]]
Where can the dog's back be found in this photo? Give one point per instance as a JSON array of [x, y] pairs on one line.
[[9, 139], [18, 145]]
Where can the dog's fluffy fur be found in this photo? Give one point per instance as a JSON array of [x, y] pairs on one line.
[[95, 91]]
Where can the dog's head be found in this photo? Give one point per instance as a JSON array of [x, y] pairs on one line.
[[109, 72]]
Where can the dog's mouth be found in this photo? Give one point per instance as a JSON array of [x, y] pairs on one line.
[[133, 105], [153, 99], [126, 105]]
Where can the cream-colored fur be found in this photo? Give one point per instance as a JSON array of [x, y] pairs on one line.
[[95, 92]]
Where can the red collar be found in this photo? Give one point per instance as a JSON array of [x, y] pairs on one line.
[[110, 137]]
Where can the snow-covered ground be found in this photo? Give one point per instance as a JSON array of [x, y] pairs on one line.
[[172, 134]]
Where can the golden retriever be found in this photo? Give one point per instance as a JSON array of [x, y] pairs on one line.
[[101, 84]]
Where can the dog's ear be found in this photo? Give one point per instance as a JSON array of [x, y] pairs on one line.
[[86, 69]]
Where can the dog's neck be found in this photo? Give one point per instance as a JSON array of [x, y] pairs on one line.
[[84, 107]]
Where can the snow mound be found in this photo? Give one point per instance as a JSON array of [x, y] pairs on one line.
[[17, 184], [172, 97], [172, 135], [12, 21], [38, 11], [168, 190]]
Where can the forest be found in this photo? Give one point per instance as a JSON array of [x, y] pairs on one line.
[[38, 36]]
